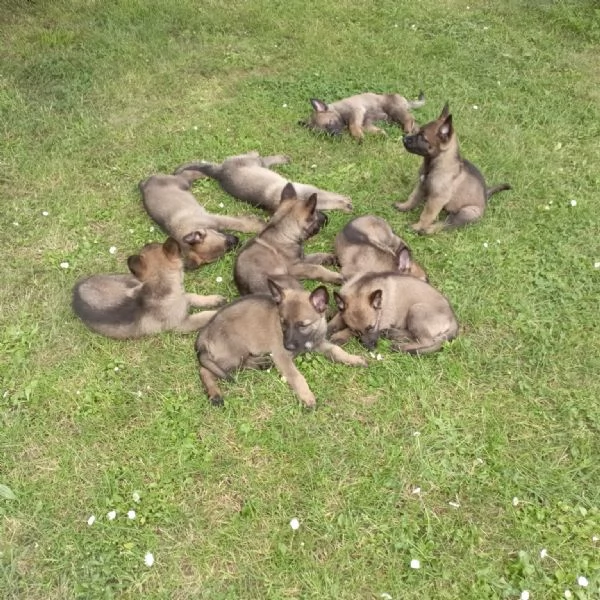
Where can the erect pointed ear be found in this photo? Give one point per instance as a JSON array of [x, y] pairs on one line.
[[171, 248], [339, 302], [288, 192], [404, 260], [445, 130], [445, 111], [319, 105], [375, 299], [196, 237], [319, 299], [276, 291], [311, 203], [136, 265]]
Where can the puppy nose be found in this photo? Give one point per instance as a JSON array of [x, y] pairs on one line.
[[291, 346], [408, 140], [231, 240], [323, 219], [368, 343]]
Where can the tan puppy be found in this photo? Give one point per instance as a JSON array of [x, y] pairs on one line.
[[263, 329], [150, 300], [447, 181], [399, 307], [277, 252], [248, 177], [169, 201], [358, 113]]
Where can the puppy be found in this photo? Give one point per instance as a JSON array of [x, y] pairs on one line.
[[170, 203], [263, 329], [150, 300], [402, 308], [248, 177], [447, 181], [357, 113], [277, 251]]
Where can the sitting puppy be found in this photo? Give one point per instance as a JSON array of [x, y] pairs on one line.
[[357, 113], [402, 308], [248, 177], [261, 329], [368, 244], [447, 181], [277, 251], [169, 201], [150, 300]]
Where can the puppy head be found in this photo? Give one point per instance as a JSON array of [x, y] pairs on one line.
[[206, 246], [324, 119], [301, 314], [156, 260], [362, 314], [431, 139], [297, 216]]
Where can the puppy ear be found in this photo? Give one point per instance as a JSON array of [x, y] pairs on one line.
[[196, 237], [276, 291], [339, 302], [171, 248], [319, 105], [445, 111], [136, 265], [319, 298], [404, 260], [311, 203], [445, 130], [375, 299], [288, 192]]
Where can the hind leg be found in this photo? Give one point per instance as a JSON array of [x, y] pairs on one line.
[[209, 381], [466, 215], [272, 161], [246, 224]]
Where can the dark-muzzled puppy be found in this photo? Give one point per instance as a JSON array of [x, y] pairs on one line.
[[359, 113], [446, 180], [169, 201], [277, 252], [149, 300], [367, 244], [249, 177], [263, 329], [413, 314]]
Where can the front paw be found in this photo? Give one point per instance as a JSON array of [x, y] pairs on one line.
[[331, 260], [418, 228], [402, 206], [216, 300], [358, 361]]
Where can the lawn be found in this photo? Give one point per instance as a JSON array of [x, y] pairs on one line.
[[481, 462]]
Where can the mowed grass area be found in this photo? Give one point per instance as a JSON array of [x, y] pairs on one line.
[[470, 461]]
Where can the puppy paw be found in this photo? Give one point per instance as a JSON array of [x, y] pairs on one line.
[[401, 206], [331, 260], [216, 300], [217, 401], [358, 361]]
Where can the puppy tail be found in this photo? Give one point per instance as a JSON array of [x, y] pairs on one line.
[[420, 101], [207, 169], [489, 192]]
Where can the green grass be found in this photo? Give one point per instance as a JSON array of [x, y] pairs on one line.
[[95, 96]]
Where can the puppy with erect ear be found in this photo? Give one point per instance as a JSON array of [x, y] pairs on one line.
[[413, 314], [447, 181], [149, 300], [263, 329]]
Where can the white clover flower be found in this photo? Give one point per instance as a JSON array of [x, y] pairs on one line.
[[415, 563], [546, 207], [294, 524], [573, 202], [313, 166], [595, 538], [131, 231], [524, 595], [543, 553], [45, 213], [221, 205], [111, 515], [136, 496], [15, 223], [515, 501], [113, 250], [485, 244], [597, 264], [116, 369], [385, 595], [416, 490], [131, 514], [454, 504], [195, 127], [475, 107], [91, 520], [219, 279], [149, 559], [582, 581], [64, 265], [413, 27], [379, 357], [416, 433], [568, 594], [151, 228], [284, 105]]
